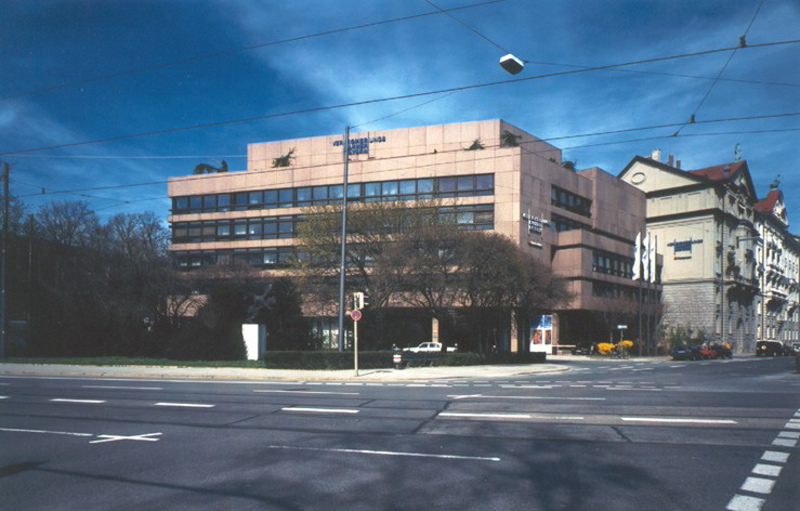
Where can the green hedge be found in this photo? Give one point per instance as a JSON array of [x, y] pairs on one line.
[[323, 360]]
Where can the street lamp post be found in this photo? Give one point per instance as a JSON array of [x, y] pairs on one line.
[[343, 242]]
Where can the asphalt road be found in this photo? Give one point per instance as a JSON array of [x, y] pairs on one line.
[[621, 435]]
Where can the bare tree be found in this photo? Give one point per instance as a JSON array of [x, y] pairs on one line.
[[69, 223]]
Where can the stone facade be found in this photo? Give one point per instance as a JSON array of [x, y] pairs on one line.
[[730, 265]]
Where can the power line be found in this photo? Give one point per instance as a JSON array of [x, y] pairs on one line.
[[468, 27], [223, 53], [677, 75], [742, 44], [392, 98], [107, 157], [76, 191]]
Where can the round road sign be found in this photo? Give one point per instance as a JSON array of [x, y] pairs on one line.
[[356, 315]]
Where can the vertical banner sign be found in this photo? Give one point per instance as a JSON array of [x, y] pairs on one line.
[[637, 261], [652, 256], [646, 258]]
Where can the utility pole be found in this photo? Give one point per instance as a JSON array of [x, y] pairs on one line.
[[3, 250], [343, 243]]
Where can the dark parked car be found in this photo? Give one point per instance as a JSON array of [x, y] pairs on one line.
[[701, 351], [686, 352], [770, 349]]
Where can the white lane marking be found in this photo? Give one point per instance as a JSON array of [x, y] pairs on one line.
[[147, 437], [185, 405], [792, 425], [758, 485], [79, 401], [744, 503], [775, 456], [631, 389], [3, 397], [119, 387], [387, 453], [318, 410], [790, 434], [551, 398], [487, 415], [507, 416], [528, 386], [306, 392], [762, 469], [42, 431], [784, 442], [678, 421]]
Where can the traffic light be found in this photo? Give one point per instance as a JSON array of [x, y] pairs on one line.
[[360, 300]]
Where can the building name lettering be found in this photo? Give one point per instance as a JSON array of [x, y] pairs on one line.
[[359, 145], [683, 249]]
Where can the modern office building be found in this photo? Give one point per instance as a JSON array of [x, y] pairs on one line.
[[493, 175]]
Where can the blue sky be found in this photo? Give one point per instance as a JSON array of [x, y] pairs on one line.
[[54, 54]]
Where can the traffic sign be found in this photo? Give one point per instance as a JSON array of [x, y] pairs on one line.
[[356, 315]]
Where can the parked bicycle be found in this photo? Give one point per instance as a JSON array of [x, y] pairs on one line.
[[620, 352]]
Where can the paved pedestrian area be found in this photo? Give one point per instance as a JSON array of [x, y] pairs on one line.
[[554, 364]]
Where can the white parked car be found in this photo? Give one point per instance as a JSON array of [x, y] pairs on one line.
[[429, 347]]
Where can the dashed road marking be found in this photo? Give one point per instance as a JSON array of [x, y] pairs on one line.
[[758, 485], [678, 420], [507, 416], [307, 392], [387, 453], [43, 431], [761, 485], [79, 401], [319, 410], [185, 405]]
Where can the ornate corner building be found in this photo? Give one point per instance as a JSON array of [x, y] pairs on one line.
[[730, 268], [778, 259]]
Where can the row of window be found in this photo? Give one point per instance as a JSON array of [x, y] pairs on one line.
[[609, 263], [241, 229], [617, 291], [561, 224], [471, 217], [405, 189], [275, 257], [575, 203]]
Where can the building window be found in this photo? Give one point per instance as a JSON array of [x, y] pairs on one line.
[[240, 201], [609, 263], [407, 189], [561, 224], [569, 201]]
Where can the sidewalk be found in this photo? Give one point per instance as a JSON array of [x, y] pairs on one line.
[[554, 364], [230, 373]]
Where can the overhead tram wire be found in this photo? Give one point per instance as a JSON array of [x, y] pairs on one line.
[[394, 98], [533, 153], [536, 153], [223, 53], [468, 27], [742, 44]]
